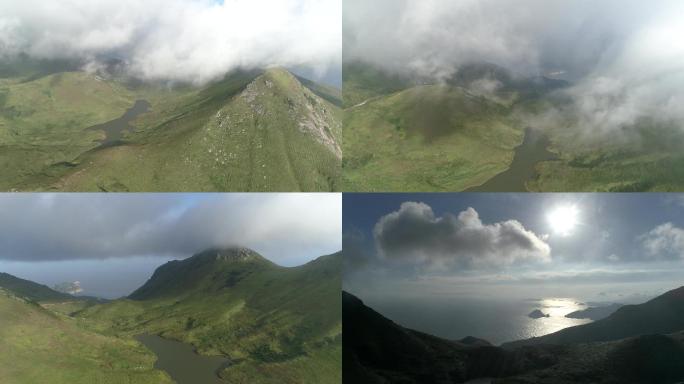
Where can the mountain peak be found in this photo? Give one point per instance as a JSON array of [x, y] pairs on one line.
[[205, 271], [229, 254], [278, 89]]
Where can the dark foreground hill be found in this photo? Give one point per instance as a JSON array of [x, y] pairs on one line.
[[376, 350], [275, 324]]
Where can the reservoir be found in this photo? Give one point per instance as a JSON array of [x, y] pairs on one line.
[[114, 129], [181, 361], [527, 155]]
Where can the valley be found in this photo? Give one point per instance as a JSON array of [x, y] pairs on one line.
[[467, 133], [257, 130], [240, 317]]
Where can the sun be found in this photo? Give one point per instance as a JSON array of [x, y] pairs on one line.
[[563, 219]]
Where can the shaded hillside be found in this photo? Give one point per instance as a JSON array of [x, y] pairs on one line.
[[39, 346], [385, 110], [363, 81], [277, 324], [427, 138], [376, 350], [662, 315], [32, 291], [252, 131]]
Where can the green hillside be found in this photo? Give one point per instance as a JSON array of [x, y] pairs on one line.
[[427, 138], [32, 291], [39, 346], [252, 131], [404, 134], [648, 158], [276, 324]]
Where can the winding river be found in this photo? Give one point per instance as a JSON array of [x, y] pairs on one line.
[[181, 361], [114, 129], [532, 151]]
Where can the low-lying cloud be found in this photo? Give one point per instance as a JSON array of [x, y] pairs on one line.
[[624, 58], [415, 235], [287, 228], [183, 40]]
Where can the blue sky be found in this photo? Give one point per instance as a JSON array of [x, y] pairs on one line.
[[620, 243]]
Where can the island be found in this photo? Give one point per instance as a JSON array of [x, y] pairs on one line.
[[536, 314]]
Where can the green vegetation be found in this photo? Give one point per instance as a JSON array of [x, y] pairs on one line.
[[40, 346], [276, 324], [427, 138], [31, 290], [400, 136], [253, 131], [362, 82], [649, 160]]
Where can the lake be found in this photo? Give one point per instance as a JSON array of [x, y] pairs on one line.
[[114, 129], [534, 149], [181, 361]]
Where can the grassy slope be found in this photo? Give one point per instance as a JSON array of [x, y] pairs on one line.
[[363, 82], [648, 157], [39, 346], [650, 160], [211, 139], [426, 138], [42, 121], [278, 325]]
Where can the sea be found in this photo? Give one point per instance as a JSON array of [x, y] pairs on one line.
[[495, 320]]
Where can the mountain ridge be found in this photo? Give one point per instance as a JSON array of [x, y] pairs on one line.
[[379, 351], [258, 130], [31, 290]]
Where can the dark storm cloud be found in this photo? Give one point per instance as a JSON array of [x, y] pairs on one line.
[[284, 227], [414, 234], [625, 57], [187, 40]]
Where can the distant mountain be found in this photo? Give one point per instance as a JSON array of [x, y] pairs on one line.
[[595, 313], [526, 86], [376, 350], [662, 315], [272, 322], [30, 290], [257, 130], [362, 81]]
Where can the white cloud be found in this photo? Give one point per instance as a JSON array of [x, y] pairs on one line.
[[188, 40], [414, 234], [625, 57], [665, 241], [287, 228]]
